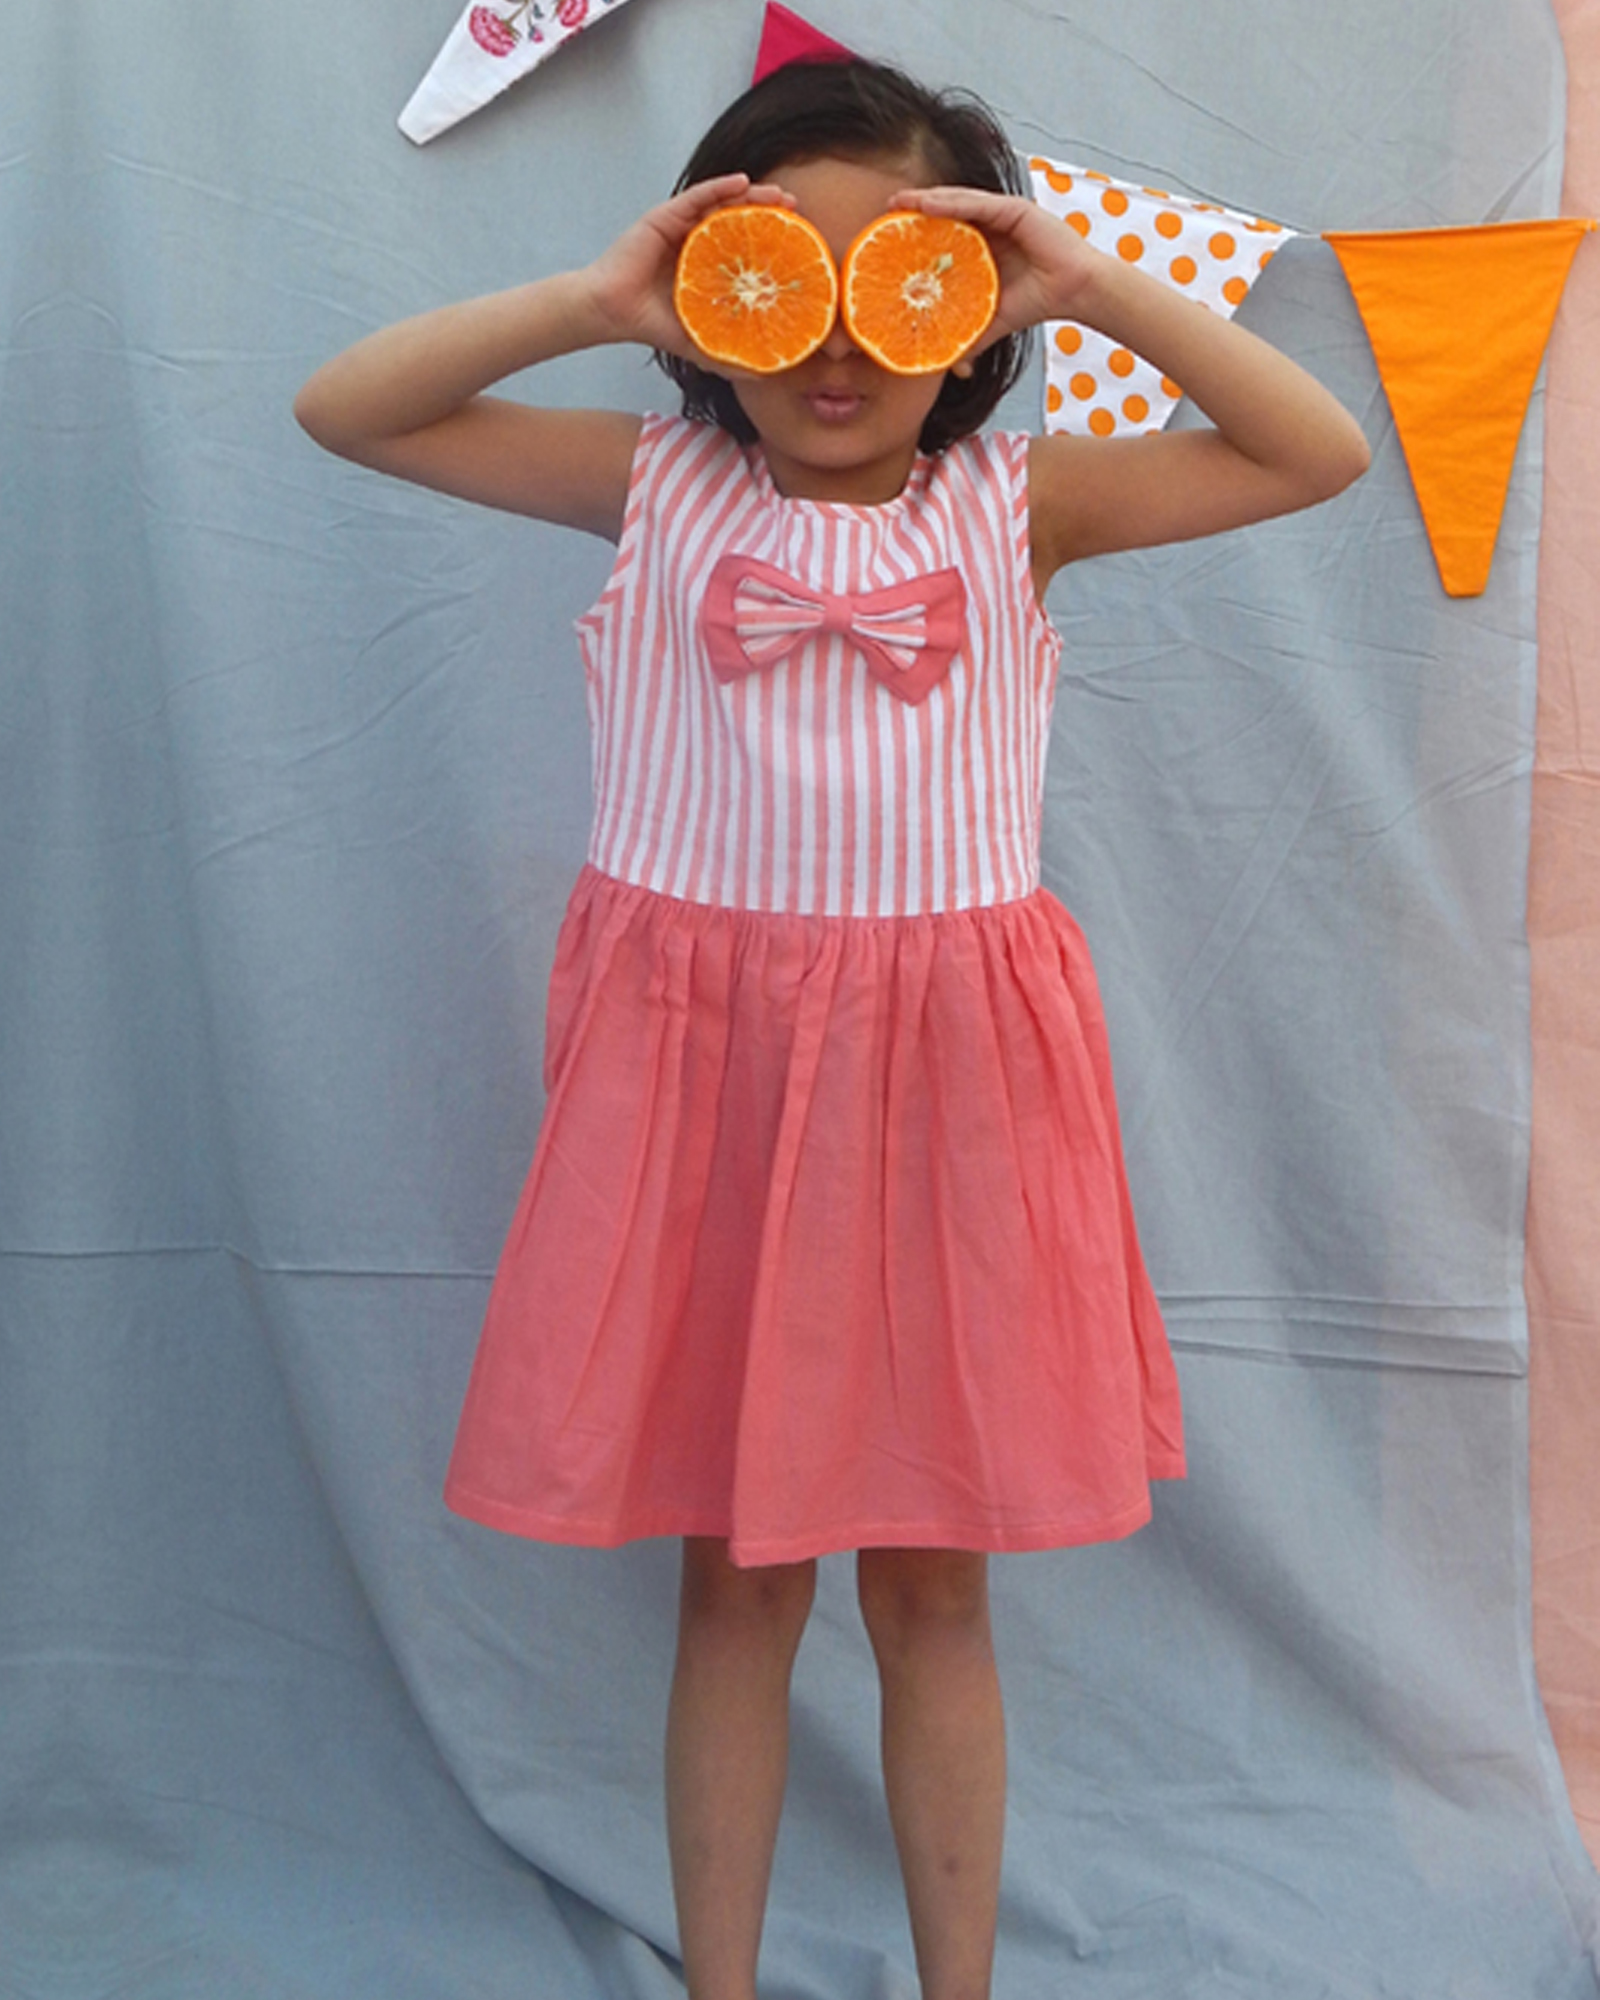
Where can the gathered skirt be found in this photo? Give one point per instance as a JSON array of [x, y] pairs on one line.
[[826, 1244]]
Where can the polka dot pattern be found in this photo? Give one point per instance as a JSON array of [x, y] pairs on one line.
[[1205, 251]]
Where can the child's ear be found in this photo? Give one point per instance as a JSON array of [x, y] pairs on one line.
[[964, 367]]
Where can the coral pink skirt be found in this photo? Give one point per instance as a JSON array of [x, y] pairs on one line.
[[826, 1244]]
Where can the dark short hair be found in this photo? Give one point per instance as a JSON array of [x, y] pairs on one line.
[[806, 110]]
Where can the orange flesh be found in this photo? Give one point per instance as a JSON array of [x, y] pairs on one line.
[[756, 287], [918, 290]]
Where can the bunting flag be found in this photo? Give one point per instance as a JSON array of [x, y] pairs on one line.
[[1207, 252], [786, 38], [1458, 320], [493, 43]]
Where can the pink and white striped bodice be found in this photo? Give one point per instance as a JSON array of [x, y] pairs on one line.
[[807, 785]]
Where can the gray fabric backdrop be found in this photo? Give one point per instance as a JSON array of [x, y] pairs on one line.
[[292, 784]]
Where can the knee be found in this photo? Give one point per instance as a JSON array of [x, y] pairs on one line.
[[774, 1600], [915, 1598]]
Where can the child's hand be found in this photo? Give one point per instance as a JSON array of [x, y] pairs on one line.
[[1044, 266], [631, 283]]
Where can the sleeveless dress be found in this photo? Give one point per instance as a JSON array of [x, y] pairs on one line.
[[827, 1241]]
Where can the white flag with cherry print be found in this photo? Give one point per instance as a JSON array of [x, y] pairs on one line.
[[1207, 252], [493, 43]]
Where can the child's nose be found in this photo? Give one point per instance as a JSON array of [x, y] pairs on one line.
[[838, 346]]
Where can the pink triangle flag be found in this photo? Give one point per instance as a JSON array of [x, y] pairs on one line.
[[786, 38]]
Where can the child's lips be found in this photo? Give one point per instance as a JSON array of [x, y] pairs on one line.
[[833, 405]]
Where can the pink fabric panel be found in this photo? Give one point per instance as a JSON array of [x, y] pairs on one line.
[[972, 1358], [1563, 1268]]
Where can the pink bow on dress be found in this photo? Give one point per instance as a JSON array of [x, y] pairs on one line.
[[755, 615]]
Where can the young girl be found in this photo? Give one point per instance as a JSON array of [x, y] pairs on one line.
[[827, 1243]]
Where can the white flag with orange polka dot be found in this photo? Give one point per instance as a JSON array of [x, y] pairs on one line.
[[1210, 253]]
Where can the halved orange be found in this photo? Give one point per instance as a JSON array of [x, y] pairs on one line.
[[917, 290], [756, 287]]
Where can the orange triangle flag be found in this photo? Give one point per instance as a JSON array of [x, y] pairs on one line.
[[1458, 320]]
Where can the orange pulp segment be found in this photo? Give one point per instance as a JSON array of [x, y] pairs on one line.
[[918, 290], [756, 287]]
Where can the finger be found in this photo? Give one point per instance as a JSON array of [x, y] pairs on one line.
[[704, 196], [707, 194], [942, 191], [770, 195], [991, 211], [695, 203]]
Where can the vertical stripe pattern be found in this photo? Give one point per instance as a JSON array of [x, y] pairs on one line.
[[806, 786]]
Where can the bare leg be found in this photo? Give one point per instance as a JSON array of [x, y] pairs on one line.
[[944, 1756], [727, 1756]]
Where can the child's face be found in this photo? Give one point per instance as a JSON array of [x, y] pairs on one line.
[[839, 427]]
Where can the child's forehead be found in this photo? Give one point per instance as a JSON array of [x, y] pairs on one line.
[[841, 194], [906, 166]]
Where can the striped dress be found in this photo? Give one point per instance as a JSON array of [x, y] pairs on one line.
[[827, 1241]]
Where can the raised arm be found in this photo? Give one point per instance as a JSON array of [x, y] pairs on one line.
[[1279, 440], [409, 400]]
